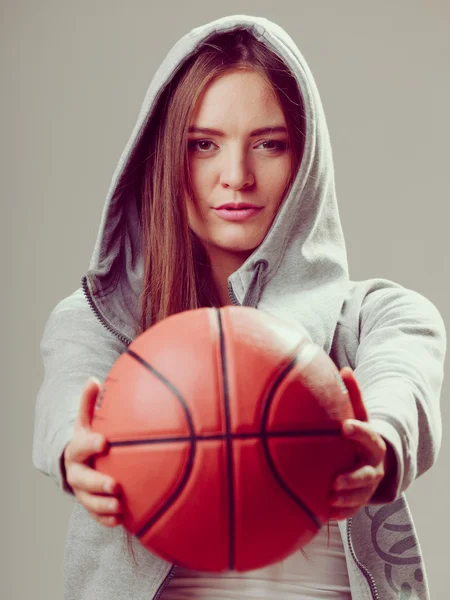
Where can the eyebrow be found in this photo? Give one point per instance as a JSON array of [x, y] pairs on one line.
[[254, 133]]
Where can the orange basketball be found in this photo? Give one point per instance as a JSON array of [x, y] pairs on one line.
[[224, 434]]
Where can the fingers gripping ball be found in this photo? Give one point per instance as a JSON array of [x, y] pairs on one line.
[[224, 434]]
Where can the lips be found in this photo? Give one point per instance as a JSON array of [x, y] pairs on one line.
[[238, 211], [237, 206]]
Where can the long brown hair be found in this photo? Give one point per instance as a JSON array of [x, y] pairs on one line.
[[176, 274]]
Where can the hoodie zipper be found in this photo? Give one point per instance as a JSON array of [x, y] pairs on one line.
[[126, 341], [122, 337], [165, 582], [233, 298], [96, 312], [362, 568]]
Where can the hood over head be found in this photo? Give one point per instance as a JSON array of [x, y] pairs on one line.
[[299, 272]]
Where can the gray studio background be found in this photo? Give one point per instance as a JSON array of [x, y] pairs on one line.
[[73, 77]]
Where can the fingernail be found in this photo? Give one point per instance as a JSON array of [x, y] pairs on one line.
[[98, 443], [349, 428], [108, 486]]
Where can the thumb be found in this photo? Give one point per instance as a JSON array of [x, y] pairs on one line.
[[88, 400], [355, 394]]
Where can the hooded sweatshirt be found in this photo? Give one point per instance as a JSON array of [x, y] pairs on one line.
[[392, 337]]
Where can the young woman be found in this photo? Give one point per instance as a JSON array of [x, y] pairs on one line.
[[225, 195]]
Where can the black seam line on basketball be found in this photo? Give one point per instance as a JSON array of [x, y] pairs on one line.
[[270, 461], [234, 436], [192, 447], [226, 398]]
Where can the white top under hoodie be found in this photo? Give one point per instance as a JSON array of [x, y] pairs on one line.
[[393, 338], [320, 574]]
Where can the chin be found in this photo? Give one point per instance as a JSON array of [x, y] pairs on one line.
[[243, 243], [241, 250]]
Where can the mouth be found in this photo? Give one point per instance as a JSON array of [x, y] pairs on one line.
[[238, 206], [238, 211]]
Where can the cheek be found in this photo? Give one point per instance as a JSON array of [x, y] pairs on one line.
[[275, 186], [195, 215], [201, 173], [201, 186]]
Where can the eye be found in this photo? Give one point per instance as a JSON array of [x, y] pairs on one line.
[[200, 145], [277, 145]]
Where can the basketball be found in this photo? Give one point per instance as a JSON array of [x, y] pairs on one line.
[[223, 429]]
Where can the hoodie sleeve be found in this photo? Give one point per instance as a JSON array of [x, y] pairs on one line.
[[399, 367], [74, 346]]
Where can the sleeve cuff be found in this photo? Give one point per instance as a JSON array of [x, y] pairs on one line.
[[57, 470], [391, 485]]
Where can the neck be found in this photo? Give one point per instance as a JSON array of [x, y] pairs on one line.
[[223, 264]]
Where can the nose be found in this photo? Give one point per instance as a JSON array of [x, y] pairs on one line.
[[236, 171]]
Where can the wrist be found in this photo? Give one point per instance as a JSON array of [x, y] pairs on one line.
[[385, 489], [65, 484]]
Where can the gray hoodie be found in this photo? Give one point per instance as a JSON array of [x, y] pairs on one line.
[[393, 338]]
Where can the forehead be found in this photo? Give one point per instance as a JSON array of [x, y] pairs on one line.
[[239, 96]]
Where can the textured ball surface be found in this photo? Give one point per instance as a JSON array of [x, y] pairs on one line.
[[224, 434]]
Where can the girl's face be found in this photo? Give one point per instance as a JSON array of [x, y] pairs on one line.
[[240, 164]]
